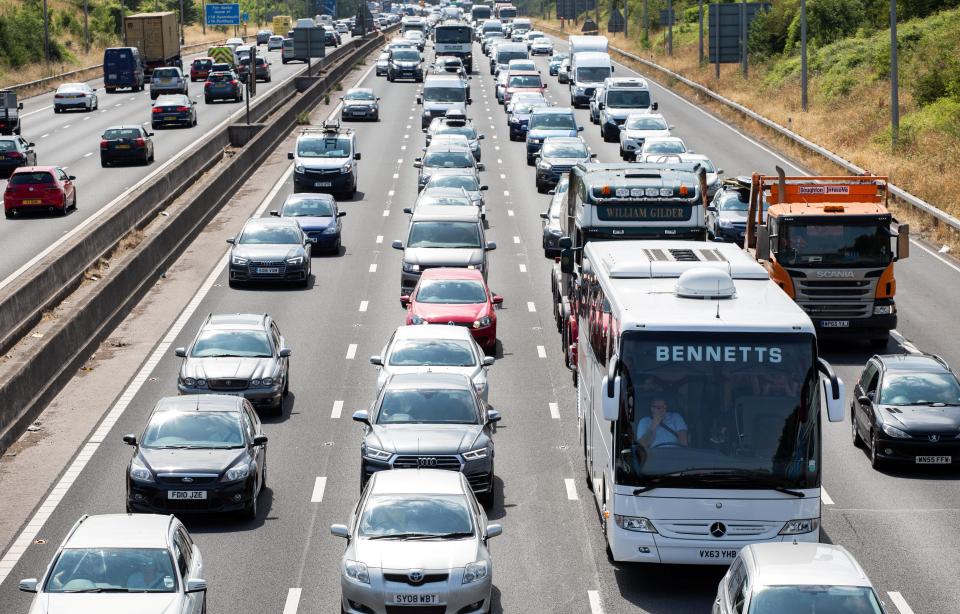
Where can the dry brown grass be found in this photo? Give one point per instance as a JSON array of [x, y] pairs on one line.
[[852, 127]]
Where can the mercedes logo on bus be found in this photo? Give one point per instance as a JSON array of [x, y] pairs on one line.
[[718, 529], [428, 461]]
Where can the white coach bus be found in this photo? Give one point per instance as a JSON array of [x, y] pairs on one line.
[[699, 402]]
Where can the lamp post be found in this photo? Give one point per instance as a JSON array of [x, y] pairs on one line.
[[894, 78]]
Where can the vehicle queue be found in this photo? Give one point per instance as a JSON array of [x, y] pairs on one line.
[[426, 461]]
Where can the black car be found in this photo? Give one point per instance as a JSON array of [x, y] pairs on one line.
[[222, 85], [360, 103], [198, 454], [318, 216], [173, 110], [270, 250], [430, 420], [126, 143], [727, 212], [405, 63], [14, 153], [906, 409]]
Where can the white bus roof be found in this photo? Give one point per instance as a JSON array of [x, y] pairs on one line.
[[642, 281]]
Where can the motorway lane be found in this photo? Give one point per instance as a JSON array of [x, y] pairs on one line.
[[72, 140]]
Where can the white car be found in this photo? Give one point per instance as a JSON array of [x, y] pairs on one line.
[[144, 563], [663, 145], [274, 43], [418, 538], [441, 349], [75, 96], [773, 578], [637, 129], [541, 46]]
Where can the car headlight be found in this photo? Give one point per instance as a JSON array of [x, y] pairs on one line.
[[329, 230], [410, 268], [267, 381], [546, 166], [634, 523], [346, 168], [482, 322], [884, 310], [356, 571], [238, 260], [201, 383], [376, 454], [724, 223], [298, 168], [139, 471], [240, 471], [297, 260], [578, 90], [188, 381], [415, 319], [255, 382], [477, 454], [895, 432], [533, 140], [479, 384], [474, 572], [802, 525]]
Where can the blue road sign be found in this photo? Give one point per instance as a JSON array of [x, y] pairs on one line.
[[223, 14], [245, 17], [330, 7]]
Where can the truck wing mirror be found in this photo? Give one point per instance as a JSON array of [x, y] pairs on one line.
[[763, 243], [903, 241]]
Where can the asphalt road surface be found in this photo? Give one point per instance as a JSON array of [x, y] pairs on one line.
[[902, 526]]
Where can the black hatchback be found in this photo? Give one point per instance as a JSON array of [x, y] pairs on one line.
[[906, 409], [174, 110], [126, 144], [14, 153]]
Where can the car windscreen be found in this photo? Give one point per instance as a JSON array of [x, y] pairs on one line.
[[468, 131], [811, 599], [269, 235], [552, 121], [322, 147], [406, 55], [360, 95], [405, 516], [451, 291], [444, 234], [308, 207], [735, 200], [121, 570], [232, 343], [431, 353], [121, 133], [466, 182], [563, 150], [448, 159], [194, 429], [444, 94], [34, 178], [664, 147], [427, 406], [524, 81], [639, 122], [504, 57], [628, 99], [917, 388], [592, 74]]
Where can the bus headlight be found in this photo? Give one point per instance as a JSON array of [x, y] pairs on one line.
[[634, 523], [802, 525]]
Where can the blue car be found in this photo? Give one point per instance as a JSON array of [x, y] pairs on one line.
[[546, 122], [319, 218], [520, 117], [555, 61]]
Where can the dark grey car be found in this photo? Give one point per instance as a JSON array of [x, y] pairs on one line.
[[270, 250], [551, 220], [430, 420], [558, 155], [726, 217], [360, 103], [237, 354]]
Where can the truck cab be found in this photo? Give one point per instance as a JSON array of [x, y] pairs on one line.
[[830, 243]]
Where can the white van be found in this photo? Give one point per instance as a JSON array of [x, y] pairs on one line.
[[588, 69], [621, 97], [440, 94]]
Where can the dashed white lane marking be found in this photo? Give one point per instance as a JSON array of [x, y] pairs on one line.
[[900, 602], [88, 154], [531, 307], [506, 192], [555, 413], [86, 119], [499, 161], [403, 148], [571, 489], [502, 176], [510, 212], [351, 351], [824, 497], [408, 126], [293, 601], [318, 487], [541, 351], [595, 606], [337, 410], [399, 160], [373, 267], [45, 136], [406, 136], [516, 239], [133, 98], [523, 267], [497, 147], [396, 175], [379, 238], [364, 305], [119, 104], [494, 136], [386, 213], [390, 193]]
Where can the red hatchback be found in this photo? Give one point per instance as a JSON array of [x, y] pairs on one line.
[[455, 296], [39, 188], [522, 81], [200, 69]]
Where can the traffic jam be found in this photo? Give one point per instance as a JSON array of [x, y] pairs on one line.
[[690, 324]]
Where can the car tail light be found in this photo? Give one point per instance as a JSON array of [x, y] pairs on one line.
[[140, 142], [14, 154], [233, 82], [157, 110], [183, 109], [104, 143], [207, 85]]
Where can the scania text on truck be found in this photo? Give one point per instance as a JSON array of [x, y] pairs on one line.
[[830, 243], [157, 36], [699, 402], [456, 39]]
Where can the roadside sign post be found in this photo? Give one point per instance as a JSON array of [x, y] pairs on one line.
[[700, 32], [308, 43]]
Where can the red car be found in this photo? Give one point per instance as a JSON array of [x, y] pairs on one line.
[[455, 296], [200, 69], [522, 81], [39, 188]]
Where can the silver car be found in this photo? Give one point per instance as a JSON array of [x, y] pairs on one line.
[[437, 348], [417, 538], [144, 563], [168, 80], [470, 183], [551, 219]]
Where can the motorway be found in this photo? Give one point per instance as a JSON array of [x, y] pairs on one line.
[[72, 140], [901, 525]]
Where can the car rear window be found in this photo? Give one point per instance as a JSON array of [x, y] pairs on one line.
[[219, 78], [32, 178], [202, 63], [165, 73], [8, 146], [122, 133]]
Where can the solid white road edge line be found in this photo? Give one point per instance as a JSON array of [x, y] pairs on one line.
[[900, 602], [824, 497], [293, 601], [571, 489], [337, 410], [555, 414], [351, 351], [318, 487], [595, 606]]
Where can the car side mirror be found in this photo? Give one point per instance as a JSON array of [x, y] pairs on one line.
[[284, 353], [341, 214], [28, 585], [418, 165], [479, 138], [130, 440], [376, 360], [180, 352], [356, 156], [469, 100], [671, 127], [361, 416], [864, 400], [490, 246], [711, 209], [289, 155], [20, 106], [231, 241], [196, 586], [497, 299], [340, 530], [719, 171], [655, 106], [544, 215], [579, 128], [408, 210], [488, 361], [481, 166], [484, 188], [397, 245], [34, 144], [493, 416], [260, 440], [419, 99], [72, 177], [405, 300], [593, 155], [275, 213], [494, 530]]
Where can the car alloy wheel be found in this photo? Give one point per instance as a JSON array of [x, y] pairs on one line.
[[855, 434], [875, 460]]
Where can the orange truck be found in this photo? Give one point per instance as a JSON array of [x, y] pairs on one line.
[[830, 243]]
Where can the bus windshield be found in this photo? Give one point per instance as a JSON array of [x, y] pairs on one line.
[[824, 243], [724, 410]]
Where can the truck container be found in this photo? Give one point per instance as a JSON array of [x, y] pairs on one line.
[[281, 23], [157, 37]]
